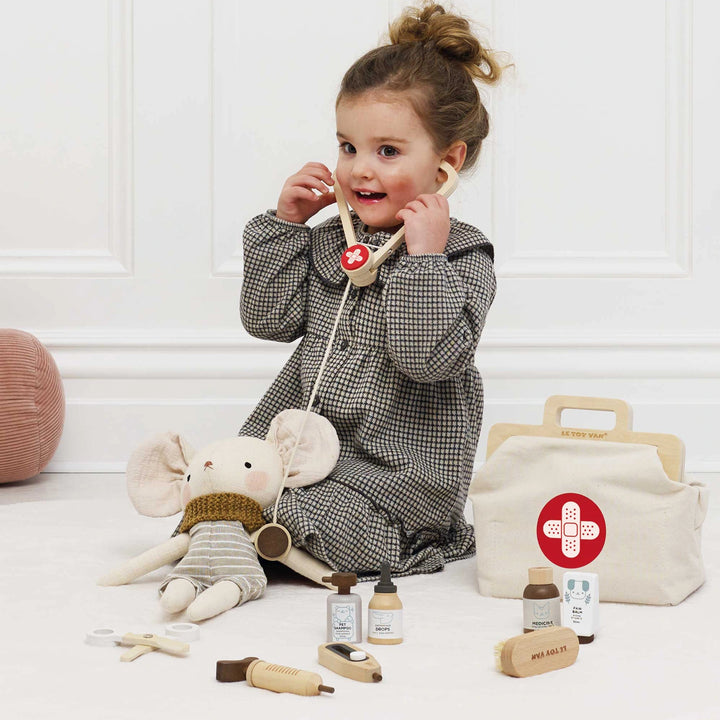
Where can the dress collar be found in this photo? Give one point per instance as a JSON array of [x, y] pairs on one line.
[[329, 244]]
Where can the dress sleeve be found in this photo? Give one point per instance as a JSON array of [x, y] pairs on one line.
[[274, 289], [435, 310]]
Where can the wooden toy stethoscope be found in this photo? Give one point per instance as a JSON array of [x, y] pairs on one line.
[[360, 263]]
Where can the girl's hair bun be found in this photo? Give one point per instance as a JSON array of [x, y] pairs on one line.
[[450, 34], [435, 57]]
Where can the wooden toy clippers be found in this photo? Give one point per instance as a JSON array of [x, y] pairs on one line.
[[349, 661]]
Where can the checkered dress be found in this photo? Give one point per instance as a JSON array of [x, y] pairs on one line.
[[400, 388]]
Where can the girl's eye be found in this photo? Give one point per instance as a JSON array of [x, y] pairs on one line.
[[346, 147], [388, 151]]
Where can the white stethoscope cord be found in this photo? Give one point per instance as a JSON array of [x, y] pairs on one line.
[[361, 277], [315, 389]]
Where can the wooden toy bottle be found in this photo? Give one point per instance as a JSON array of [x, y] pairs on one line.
[[385, 611], [344, 609], [580, 606], [541, 600]]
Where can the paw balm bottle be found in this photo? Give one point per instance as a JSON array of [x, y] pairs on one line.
[[581, 598], [541, 600], [385, 611]]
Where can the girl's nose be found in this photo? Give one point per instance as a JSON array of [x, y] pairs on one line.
[[361, 168]]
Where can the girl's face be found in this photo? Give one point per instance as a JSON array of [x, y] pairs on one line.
[[386, 157]]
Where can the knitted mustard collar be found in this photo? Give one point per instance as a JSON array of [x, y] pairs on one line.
[[222, 506]]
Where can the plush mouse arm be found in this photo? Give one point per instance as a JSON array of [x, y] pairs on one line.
[[152, 559], [155, 479]]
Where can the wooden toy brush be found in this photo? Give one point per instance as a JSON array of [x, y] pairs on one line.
[[537, 652]]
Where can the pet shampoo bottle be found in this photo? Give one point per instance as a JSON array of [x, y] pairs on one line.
[[344, 610]]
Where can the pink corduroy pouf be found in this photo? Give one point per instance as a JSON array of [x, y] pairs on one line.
[[32, 406]]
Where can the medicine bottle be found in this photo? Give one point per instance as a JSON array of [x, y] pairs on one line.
[[385, 611], [344, 609], [541, 600]]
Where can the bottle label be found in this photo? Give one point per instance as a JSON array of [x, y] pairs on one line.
[[580, 602], [577, 617], [539, 614], [385, 624], [344, 622]]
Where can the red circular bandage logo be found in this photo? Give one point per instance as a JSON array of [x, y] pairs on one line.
[[355, 257], [571, 530]]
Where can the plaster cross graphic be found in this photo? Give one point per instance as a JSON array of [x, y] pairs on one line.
[[571, 529], [353, 256]]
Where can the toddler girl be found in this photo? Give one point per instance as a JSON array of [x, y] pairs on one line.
[[400, 385]]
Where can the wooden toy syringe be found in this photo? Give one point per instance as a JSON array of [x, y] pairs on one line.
[[269, 676]]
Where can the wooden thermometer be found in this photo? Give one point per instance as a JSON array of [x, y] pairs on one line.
[[360, 262]]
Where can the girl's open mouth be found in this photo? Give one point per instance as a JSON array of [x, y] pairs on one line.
[[369, 197]]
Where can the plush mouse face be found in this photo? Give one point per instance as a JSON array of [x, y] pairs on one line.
[[165, 472], [243, 465]]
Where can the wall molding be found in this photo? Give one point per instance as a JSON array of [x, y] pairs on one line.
[[226, 73], [197, 355], [101, 433], [674, 258], [117, 258], [124, 386]]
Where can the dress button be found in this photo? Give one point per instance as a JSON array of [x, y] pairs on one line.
[[344, 344]]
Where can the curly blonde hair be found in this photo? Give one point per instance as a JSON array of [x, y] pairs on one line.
[[434, 57]]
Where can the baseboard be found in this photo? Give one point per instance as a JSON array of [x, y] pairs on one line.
[[122, 388]]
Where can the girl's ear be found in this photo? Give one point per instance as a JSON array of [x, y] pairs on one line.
[[456, 154], [156, 475], [317, 453]]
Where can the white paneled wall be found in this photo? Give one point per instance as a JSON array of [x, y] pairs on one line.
[[137, 138]]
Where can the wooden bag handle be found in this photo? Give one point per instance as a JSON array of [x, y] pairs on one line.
[[555, 405], [670, 448]]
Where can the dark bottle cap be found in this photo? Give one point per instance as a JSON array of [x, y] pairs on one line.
[[385, 584], [343, 581]]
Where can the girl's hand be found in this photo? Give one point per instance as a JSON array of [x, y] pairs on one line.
[[298, 202], [427, 224]]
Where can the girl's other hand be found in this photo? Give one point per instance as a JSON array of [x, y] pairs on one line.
[[427, 224], [298, 200]]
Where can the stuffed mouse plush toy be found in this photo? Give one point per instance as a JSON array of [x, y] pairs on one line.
[[222, 489]]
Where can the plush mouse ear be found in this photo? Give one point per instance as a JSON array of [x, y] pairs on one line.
[[156, 474], [317, 452]]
